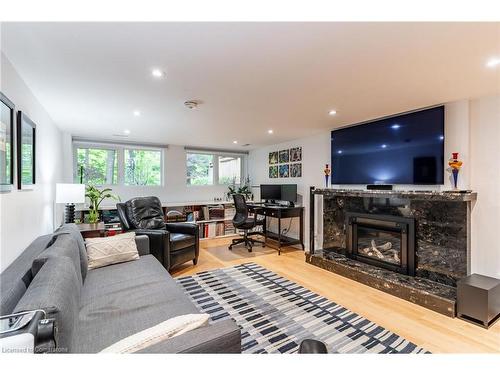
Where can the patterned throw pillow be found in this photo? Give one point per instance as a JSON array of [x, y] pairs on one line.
[[103, 251]]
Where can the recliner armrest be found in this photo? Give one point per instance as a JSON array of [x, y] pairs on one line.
[[183, 228], [159, 244], [142, 242]]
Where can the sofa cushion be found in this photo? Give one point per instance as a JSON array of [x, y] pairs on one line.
[[56, 290], [72, 229], [103, 251], [124, 299], [64, 245], [145, 213], [15, 279], [180, 241], [101, 281]]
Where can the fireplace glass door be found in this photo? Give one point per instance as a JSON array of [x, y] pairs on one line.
[[379, 244], [383, 241]]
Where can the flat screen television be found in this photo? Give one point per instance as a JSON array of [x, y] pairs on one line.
[[404, 149]]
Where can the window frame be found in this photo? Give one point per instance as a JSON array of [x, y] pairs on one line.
[[215, 155], [120, 159]]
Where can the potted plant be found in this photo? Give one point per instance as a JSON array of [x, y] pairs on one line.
[[96, 197], [244, 189]]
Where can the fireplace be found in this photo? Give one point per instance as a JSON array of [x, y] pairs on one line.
[[382, 240]]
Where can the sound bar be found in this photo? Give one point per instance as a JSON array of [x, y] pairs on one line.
[[379, 187]]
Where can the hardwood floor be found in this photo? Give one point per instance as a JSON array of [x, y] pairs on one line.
[[435, 332]]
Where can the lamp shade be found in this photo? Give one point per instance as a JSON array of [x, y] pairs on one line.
[[70, 193]]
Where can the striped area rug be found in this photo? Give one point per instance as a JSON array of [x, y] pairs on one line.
[[275, 314]]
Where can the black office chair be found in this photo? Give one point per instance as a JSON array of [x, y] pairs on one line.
[[243, 221]]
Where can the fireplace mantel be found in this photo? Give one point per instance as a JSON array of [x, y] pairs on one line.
[[456, 196]]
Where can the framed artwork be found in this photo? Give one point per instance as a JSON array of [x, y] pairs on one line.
[[26, 142], [273, 171], [284, 156], [296, 170], [273, 157], [296, 154], [6, 143], [283, 170]]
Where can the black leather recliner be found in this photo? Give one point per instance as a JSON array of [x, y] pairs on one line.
[[171, 243]]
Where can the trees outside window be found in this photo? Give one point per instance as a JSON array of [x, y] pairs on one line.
[[229, 170], [142, 167], [200, 169], [96, 166], [115, 164]]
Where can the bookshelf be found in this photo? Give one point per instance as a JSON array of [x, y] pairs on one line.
[[214, 218]]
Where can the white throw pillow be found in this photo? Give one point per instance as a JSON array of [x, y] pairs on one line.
[[103, 251], [151, 336]]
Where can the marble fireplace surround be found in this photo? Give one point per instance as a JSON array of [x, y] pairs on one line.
[[442, 241]]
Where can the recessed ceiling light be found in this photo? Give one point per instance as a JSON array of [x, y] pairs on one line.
[[332, 112], [396, 126], [137, 113], [158, 73], [441, 137], [270, 131], [384, 146], [126, 132], [339, 151], [493, 62], [235, 142]]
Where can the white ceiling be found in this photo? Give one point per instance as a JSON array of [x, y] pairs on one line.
[[251, 77]]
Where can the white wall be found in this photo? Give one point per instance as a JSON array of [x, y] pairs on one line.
[[471, 128], [315, 154], [24, 215], [485, 179]]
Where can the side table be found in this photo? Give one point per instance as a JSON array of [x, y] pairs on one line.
[[92, 230]]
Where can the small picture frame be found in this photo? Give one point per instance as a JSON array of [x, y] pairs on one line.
[[7, 115], [296, 170], [283, 171], [26, 152], [295, 154], [284, 156], [273, 171], [273, 157]]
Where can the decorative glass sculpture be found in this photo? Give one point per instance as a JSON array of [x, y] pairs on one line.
[[455, 166]]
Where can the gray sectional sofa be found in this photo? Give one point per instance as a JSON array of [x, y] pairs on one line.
[[96, 308]]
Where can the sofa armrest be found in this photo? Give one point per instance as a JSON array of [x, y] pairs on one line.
[[142, 242], [184, 228], [221, 337]]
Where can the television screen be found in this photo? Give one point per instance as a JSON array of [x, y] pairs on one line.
[[404, 149]]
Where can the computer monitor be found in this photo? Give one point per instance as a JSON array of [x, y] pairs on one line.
[[289, 192], [270, 192]]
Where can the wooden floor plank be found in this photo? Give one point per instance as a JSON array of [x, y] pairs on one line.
[[426, 328]]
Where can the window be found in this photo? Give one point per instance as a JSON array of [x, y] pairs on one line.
[[103, 164], [142, 167], [200, 169], [206, 168], [96, 166], [229, 170]]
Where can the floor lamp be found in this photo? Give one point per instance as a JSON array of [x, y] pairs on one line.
[[70, 194]]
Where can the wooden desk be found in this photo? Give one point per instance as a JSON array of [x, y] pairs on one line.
[[280, 212], [92, 230]]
